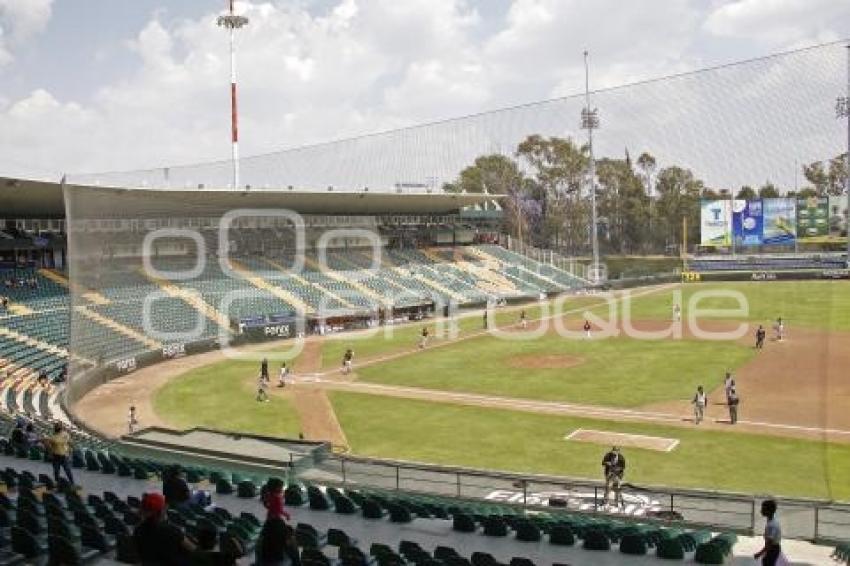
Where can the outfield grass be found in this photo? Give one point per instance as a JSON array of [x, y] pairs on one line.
[[218, 396], [815, 304], [389, 339], [528, 443], [620, 372]]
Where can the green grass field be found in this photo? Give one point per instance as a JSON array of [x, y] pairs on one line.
[[524, 442], [616, 372], [644, 372], [218, 397]]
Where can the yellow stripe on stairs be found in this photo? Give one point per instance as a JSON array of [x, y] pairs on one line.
[[190, 297], [352, 281], [91, 296], [119, 328], [430, 283], [29, 341], [286, 296]]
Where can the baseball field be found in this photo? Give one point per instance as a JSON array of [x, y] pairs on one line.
[[545, 398]]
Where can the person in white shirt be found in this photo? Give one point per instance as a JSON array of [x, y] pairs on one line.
[[700, 402], [772, 550], [282, 375], [132, 420], [677, 312]]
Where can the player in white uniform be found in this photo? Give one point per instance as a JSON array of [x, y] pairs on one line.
[[700, 402]]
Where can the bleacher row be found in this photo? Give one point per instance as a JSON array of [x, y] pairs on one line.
[[109, 307], [55, 519], [767, 263]]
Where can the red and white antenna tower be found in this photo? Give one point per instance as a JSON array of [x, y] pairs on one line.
[[233, 22]]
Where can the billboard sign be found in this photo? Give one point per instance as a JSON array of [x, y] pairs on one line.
[[747, 222], [716, 223], [837, 218], [780, 221], [813, 219]]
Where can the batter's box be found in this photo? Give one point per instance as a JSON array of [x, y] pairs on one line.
[[623, 439]]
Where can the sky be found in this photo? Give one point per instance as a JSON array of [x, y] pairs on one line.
[[109, 85]]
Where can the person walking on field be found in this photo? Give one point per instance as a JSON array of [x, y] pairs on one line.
[[423, 339], [132, 420], [760, 335], [700, 402], [262, 384], [587, 329], [613, 467], [347, 358], [264, 369], [779, 328], [523, 320], [282, 375], [677, 312], [732, 401]]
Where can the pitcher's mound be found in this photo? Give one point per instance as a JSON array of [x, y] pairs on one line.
[[548, 361]]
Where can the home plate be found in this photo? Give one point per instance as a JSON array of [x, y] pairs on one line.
[[623, 439]]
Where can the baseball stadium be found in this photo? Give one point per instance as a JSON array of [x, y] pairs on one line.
[[434, 335]]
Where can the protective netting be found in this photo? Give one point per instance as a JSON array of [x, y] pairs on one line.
[[741, 124]]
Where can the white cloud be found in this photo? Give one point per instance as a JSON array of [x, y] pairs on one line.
[[358, 67], [780, 23], [19, 21]]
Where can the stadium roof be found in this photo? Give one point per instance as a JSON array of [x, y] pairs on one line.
[[22, 198]]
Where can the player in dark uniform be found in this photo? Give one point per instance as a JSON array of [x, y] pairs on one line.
[[264, 369], [614, 468], [347, 358], [760, 335]]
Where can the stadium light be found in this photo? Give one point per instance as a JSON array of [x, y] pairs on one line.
[[842, 110], [589, 122], [232, 22]]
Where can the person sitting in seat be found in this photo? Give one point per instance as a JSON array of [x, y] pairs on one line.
[[206, 553], [276, 546], [177, 492], [158, 541]]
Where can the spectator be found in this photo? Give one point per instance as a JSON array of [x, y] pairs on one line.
[[18, 437], [272, 498], [59, 444], [206, 553], [177, 492], [30, 435], [276, 546], [157, 541], [772, 535]]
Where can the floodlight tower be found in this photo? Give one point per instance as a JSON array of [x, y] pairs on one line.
[[232, 22], [589, 122], [842, 110]]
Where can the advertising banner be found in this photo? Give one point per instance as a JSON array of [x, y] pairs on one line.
[[780, 221], [716, 223], [838, 218], [813, 219], [747, 222]]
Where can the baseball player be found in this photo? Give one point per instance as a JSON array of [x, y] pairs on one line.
[[700, 402], [347, 358], [677, 312], [587, 329], [132, 420], [760, 335], [423, 339], [732, 401], [282, 375], [523, 320], [779, 328], [614, 467], [262, 384]]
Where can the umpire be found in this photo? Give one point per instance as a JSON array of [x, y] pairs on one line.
[[614, 467]]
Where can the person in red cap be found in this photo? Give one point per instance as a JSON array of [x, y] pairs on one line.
[[158, 541]]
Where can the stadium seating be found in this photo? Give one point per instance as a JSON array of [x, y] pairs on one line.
[[767, 263]]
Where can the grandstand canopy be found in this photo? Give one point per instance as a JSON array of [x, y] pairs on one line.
[[21, 198]]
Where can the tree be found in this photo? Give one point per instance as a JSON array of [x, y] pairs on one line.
[[559, 167], [646, 163], [623, 202], [768, 190], [746, 193], [827, 179], [678, 197]]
